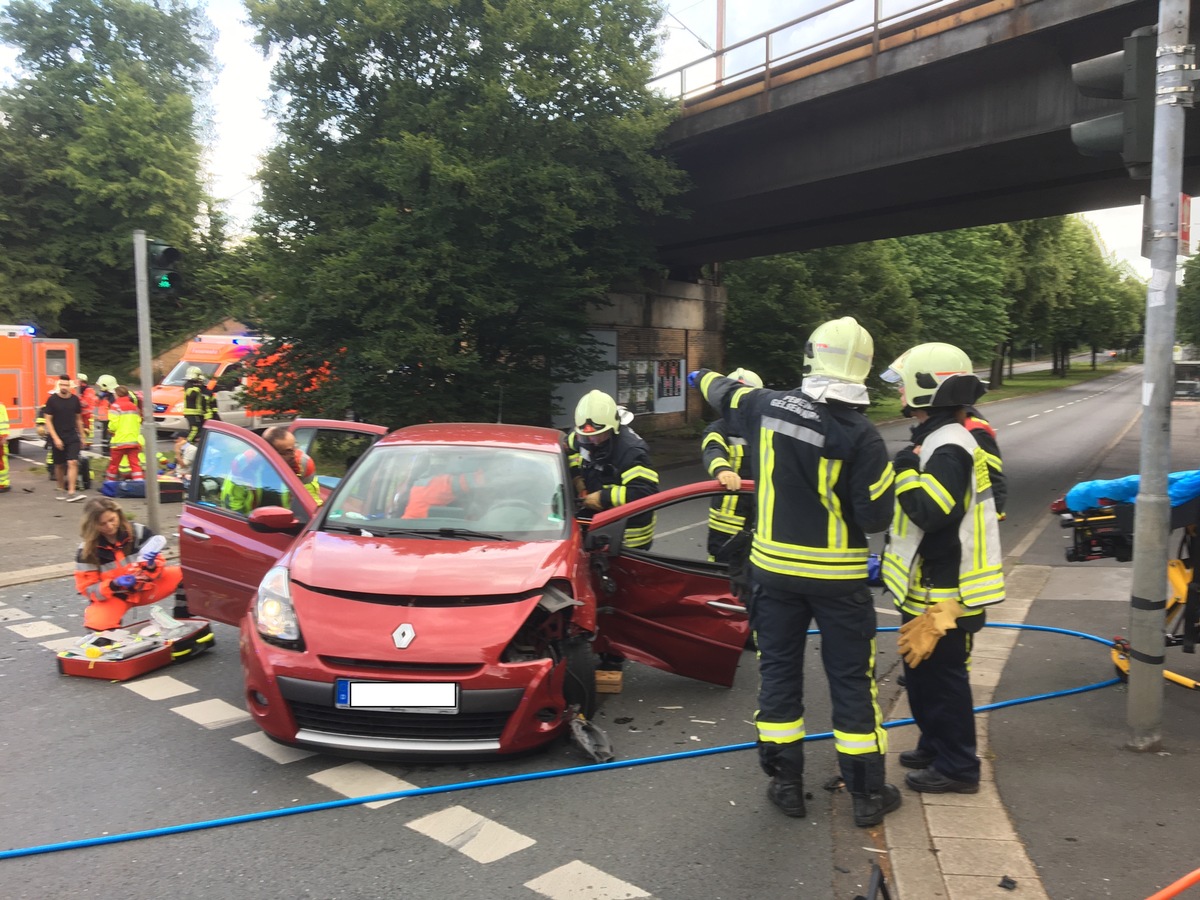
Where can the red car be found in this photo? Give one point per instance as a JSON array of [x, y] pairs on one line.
[[442, 599]]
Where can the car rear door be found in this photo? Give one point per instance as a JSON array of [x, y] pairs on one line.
[[668, 606]]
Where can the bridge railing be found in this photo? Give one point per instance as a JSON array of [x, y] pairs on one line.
[[837, 33]]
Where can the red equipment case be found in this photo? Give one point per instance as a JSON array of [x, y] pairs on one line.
[[193, 643]]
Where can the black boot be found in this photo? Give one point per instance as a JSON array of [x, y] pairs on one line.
[[869, 809], [788, 795]]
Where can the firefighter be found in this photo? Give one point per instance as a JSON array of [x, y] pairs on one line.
[[195, 401], [942, 562], [105, 385], [824, 483], [985, 436], [126, 420], [5, 486], [724, 455], [610, 464]]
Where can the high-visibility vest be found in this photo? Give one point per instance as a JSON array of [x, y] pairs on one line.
[[980, 568]]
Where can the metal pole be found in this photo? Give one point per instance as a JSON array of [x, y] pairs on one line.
[[1152, 515], [146, 363], [721, 43]]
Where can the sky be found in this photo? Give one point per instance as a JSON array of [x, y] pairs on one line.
[[244, 130]]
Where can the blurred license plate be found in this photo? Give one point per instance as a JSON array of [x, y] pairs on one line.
[[389, 695]]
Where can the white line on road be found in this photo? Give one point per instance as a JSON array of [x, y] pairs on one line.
[[471, 834], [577, 880], [357, 779]]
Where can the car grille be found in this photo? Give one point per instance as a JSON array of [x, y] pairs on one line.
[[456, 670], [400, 726]]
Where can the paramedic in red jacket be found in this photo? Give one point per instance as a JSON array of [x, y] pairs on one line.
[[108, 572]]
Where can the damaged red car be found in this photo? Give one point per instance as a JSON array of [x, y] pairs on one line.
[[441, 599]]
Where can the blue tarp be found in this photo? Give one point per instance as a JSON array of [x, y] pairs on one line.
[[1181, 487]]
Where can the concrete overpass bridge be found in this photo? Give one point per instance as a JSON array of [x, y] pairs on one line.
[[952, 115]]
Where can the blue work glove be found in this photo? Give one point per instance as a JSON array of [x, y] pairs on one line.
[[124, 582], [694, 379], [150, 562]]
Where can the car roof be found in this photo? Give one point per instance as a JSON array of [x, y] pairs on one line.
[[527, 437]]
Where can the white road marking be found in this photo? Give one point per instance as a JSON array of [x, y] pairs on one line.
[[471, 834], [260, 743], [1011, 424], [579, 881], [357, 779], [45, 537], [212, 713], [1047, 410], [12, 614], [36, 629], [887, 611], [162, 687], [1034, 416], [679, 529]]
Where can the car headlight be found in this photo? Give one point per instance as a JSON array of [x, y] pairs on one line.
[[274, 615]]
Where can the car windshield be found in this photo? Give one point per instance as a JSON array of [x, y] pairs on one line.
[[179, 373], [449, 492]]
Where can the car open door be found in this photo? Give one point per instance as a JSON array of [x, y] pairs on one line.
[[668, 606], [223, 551], [334, 446]]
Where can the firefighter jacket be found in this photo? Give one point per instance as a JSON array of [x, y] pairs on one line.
[[3, 422], [251, 483], [94, 579], [194, 402], [823, 482], [985, 436], [620, 470], [722, 450], [945, 538], [124, 423]]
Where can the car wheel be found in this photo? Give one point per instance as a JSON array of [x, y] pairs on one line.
[[579, 680]]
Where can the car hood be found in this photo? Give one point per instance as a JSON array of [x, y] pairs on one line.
[[345, 589]]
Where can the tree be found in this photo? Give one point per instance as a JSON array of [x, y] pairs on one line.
[[457, 182], [97, 138]]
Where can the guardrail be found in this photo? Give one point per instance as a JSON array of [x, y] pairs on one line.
[[836, 34]]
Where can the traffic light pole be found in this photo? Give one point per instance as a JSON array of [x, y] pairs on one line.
[[1152, 514], [146, 363]]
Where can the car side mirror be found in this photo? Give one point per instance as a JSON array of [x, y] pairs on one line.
[[596, 542], [274, 519]]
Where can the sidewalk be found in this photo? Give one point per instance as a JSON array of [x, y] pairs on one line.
[[1064, 810]]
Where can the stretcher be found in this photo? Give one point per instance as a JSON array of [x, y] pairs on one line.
[[124, 653], [1105, 531]]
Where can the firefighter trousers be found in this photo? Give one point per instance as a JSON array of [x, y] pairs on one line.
[[939, 695], [780, 620]]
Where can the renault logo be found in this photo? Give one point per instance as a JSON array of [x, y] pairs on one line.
[[403, 636]]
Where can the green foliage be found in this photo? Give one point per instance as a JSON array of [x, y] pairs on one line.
[[457, 182], [1187, 312], [97, 138]]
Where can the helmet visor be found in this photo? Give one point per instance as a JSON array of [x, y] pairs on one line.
[[591, 433], [892, 376]]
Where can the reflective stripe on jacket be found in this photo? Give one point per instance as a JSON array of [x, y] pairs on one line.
[[620, 470], [124, 423], [722, 451], [972, 516], [823, 481]]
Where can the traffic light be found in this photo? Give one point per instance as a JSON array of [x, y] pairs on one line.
[[1127, 75], [163, 259]]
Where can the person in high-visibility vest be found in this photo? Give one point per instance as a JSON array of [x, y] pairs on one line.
[[942, 561], [125, 423], [5, 486], [195, 401]]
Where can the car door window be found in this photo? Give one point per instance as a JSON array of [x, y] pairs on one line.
[[333, 451], [237, 477]]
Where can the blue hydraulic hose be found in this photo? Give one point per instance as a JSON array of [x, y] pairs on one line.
[[531, 776]]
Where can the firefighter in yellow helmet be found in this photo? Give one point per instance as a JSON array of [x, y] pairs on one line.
[[942, 562], [610, 464], [195, 401], [824, 482], [723, 452]]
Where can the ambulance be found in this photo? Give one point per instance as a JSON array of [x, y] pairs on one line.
[[222, 359], [29, 370]]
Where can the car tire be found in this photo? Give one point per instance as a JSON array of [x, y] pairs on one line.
[[579, 680]]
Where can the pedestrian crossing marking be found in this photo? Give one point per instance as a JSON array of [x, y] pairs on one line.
[[12, 614], [471, 834], [61, 643], [579, 881], [162, 687], [260, 743], [36, 629], [357, 779], [212, 713]]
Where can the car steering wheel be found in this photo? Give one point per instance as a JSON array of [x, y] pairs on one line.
[[515, 503]]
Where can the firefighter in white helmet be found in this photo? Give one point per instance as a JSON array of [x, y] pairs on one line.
[[942, 562], [824, 482], [610, 464], [723, 452]]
